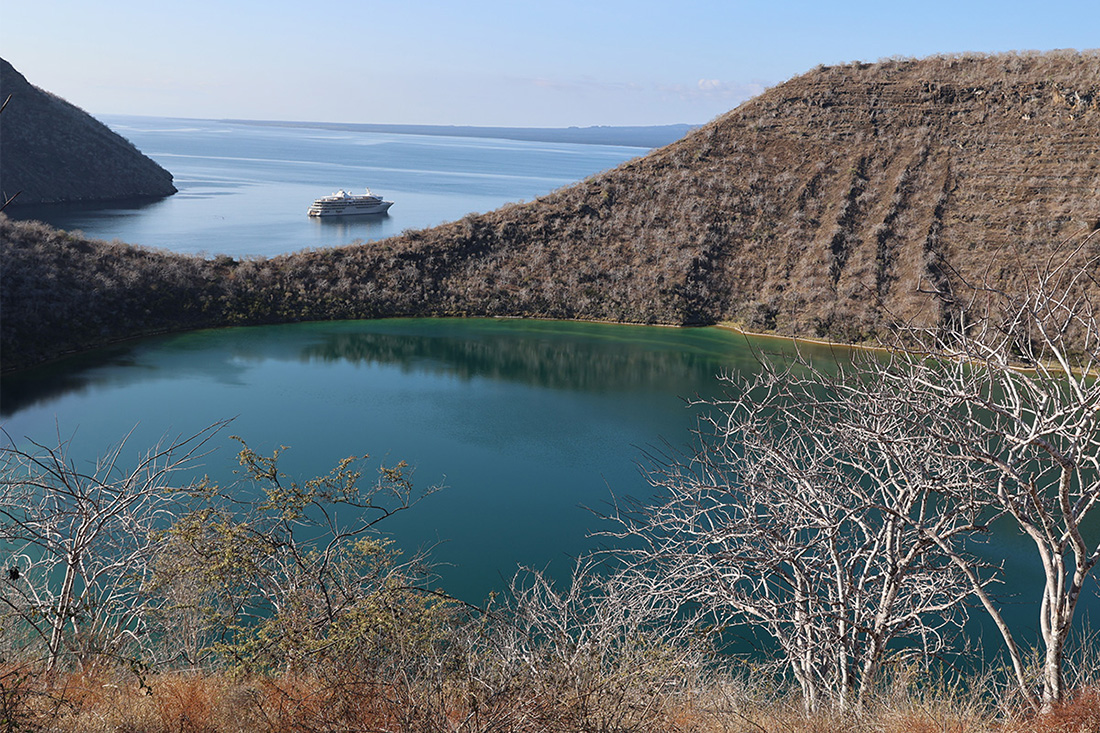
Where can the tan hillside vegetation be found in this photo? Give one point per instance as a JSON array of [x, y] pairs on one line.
[[821, 206], [830, 206]]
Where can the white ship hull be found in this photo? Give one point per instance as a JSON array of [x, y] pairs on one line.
[[343, 203]]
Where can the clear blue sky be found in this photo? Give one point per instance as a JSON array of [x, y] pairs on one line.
[[487, 62]]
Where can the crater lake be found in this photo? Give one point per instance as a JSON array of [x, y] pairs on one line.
[[529, 427]]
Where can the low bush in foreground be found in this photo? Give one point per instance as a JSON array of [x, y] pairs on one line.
[[289, 612]]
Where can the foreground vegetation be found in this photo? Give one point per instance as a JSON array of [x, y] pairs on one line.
[[103, 702], [830, 510], [274, 615]]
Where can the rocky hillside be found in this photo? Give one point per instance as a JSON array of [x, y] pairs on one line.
[[829, 206], [824, 207], [52, 151]]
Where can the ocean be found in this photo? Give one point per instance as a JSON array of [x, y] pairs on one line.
[[244, 188]]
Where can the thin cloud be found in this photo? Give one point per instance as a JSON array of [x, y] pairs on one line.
[[583, 85], [571, 99], [708, 89], [701, 91]]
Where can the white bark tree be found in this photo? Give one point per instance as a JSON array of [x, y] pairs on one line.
[[836, 507], [592, 653], [76, 546], [790, 519], [1014, 396]]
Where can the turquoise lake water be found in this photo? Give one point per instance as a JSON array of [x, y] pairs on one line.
[[525, 423]]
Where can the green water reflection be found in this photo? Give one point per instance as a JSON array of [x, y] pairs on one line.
[[524, 422]]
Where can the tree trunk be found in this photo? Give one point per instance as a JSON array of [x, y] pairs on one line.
[[62, 613], [1053, 682]]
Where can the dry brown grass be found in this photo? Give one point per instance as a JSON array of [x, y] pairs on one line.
[[177, 702], [114, 703], [1079, 714]]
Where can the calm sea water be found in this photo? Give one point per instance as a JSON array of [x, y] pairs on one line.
[[244, 190]]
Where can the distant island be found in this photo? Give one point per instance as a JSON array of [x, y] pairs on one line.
[[52, 151], [832, 206], [643, 136]]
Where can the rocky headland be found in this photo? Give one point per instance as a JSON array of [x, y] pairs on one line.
[[54, 152]]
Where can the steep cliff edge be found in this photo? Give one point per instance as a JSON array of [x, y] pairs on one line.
[[52, 152]]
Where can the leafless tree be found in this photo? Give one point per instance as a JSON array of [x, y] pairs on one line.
[[591, 653], [77, 545], [1012, 395], [837, 507], [812, 520]]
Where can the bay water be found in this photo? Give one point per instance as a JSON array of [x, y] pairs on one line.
[[244, 189]]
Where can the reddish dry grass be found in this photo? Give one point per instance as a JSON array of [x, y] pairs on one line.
[[187, 702], [1079, 714], [214, 703]]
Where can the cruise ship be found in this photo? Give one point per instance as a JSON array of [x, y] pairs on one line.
[[343, 203]]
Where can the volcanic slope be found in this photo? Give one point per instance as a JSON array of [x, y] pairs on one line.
[[52, 151], [823, 207], [829, 206]]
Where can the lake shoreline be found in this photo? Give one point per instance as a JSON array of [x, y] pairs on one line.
[[103, 294], [794, 340]]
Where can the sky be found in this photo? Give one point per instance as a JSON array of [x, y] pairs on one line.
[[552, 63]]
